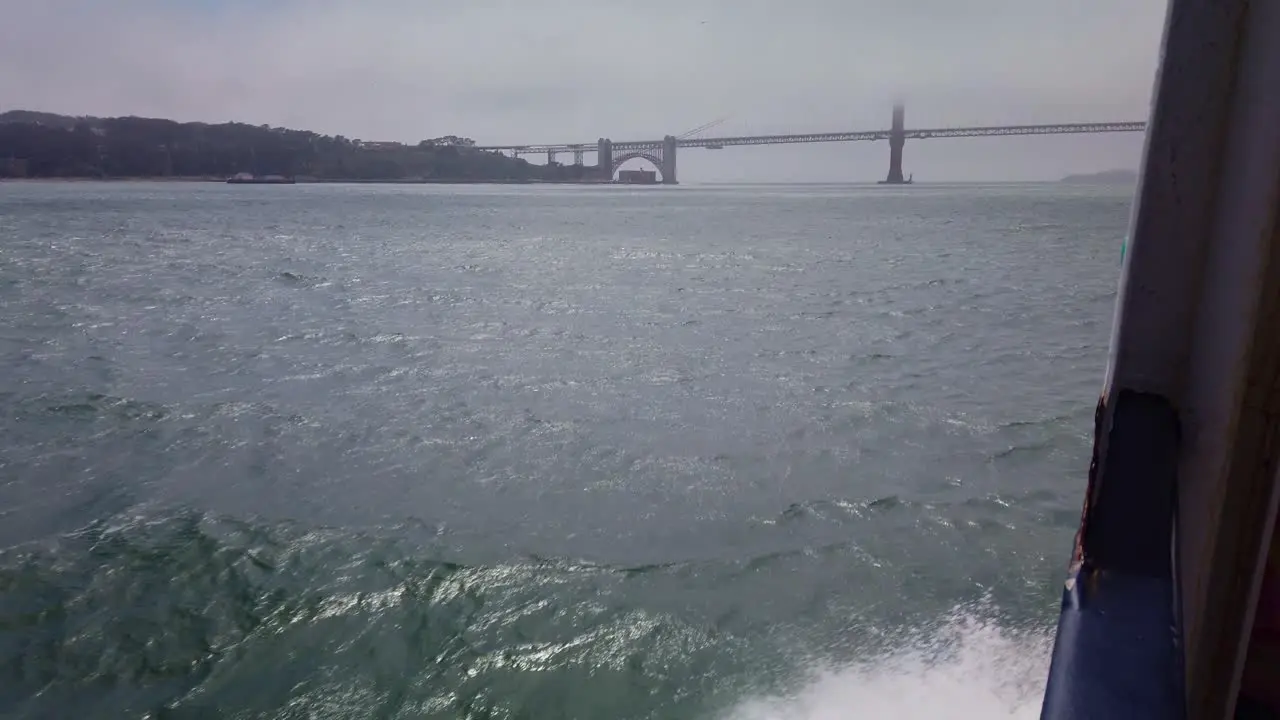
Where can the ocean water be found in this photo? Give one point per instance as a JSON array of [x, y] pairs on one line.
[[723, 452]]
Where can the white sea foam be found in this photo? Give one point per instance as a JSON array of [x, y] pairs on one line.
[[969, 668]]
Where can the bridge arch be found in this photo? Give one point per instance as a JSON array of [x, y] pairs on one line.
[[655, 160]]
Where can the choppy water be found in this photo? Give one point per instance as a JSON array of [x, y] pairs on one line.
[[400, 452]]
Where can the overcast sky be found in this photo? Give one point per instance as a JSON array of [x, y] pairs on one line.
[[574, 70]]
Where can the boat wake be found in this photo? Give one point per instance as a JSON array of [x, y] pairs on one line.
[[970, 668]]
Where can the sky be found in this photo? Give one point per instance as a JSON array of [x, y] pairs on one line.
[[540, 71]]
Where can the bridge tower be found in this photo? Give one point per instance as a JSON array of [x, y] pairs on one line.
[[669, 160], [604, 159], [897, 138]]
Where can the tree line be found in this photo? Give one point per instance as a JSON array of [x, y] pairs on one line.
[[44, 145]]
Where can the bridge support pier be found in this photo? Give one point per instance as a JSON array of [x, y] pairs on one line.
[[604, 159], [897, 138], [669, 160]]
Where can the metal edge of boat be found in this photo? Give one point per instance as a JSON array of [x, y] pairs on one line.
[[1181, 496]]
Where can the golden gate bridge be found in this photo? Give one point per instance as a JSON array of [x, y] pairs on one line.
[[661, 153]]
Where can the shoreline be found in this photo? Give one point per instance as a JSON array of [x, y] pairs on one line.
[[105, 179], [314, 181], [328, 181]]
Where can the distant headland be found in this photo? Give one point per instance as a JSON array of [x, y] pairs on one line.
[[41, 145], [1106, 177]]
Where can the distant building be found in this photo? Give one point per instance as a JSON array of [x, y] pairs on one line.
[[13, 167], [638, 177], [381, 145]]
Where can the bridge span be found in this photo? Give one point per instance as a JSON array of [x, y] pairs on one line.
[[662, 153]]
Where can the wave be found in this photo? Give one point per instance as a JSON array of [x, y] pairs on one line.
[[181, 613], [970, 666]]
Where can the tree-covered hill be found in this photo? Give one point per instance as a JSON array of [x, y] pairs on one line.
[[45, 145]]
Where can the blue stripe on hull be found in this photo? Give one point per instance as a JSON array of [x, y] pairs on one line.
[[1117, 653]]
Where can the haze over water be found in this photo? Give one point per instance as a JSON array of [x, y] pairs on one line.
[[509, 452]]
